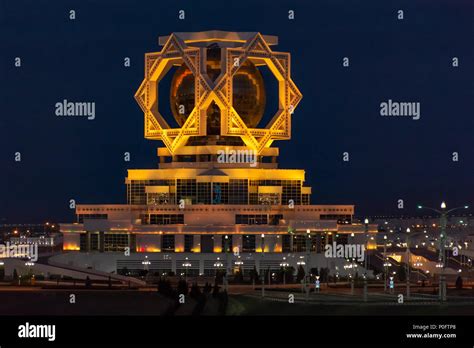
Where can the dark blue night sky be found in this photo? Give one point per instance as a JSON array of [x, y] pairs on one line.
[[390, 158]]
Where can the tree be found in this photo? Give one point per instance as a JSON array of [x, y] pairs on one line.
[[300, 274], [459, 283]]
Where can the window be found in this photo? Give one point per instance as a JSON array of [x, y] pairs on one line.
[[248, 243], [81, 217], [291, 189], [115, 241], [204, 193], [186, 189], [227, 244], [251, 219], [299, 243], [162, 219], [269, 198], [305, 199], [188, 243], [220, 193], [159, 198], [275, 219], [286, 243], [136, 191], [83, 241], [95, 241], [238, 191], [167, 243], [340, 218], [207, 243]]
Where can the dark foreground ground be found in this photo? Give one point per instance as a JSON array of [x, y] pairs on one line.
[[245, 305], [101, 302], [132, 302]]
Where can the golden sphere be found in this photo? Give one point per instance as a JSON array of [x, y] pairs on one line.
[[248, 94]]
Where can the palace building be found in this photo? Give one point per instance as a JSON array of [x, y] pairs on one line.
[[217, 189]]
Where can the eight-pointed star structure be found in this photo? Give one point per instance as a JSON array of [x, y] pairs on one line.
[[177, 51]]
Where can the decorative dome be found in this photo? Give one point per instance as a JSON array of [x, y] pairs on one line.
[[248, 93]]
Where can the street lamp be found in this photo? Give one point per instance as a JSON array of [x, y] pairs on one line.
[[284, 265], [262, 273], [228, 263], [443, 237], [239, 263], [385, 267], [307, 263], [408, 263], [146, 263], [218, 265], [366, 223], [186, 265]]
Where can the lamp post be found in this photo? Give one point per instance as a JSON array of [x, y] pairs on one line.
[[218, 265], [186, 265], [385, 267], [146, 263], [443, 213], [317, 284], [228, 264], [284, 265], [366, 223], [408, 263], [262, 273], [239, 263], [307, 277]]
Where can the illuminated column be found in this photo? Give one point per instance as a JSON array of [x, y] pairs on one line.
[[258, 243], [179, 243], [270, 242], [278, 246], [217, 243], [197, 243], [237, 242], [158, 242]]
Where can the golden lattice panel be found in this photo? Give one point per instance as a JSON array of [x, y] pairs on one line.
[[174, 52]]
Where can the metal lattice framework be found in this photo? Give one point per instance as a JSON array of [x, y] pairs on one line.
[[255, 49]]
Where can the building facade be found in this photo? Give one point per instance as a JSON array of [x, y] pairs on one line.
[[217, 190]]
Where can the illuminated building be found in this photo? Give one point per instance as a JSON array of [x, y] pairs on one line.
[[218, 186]]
